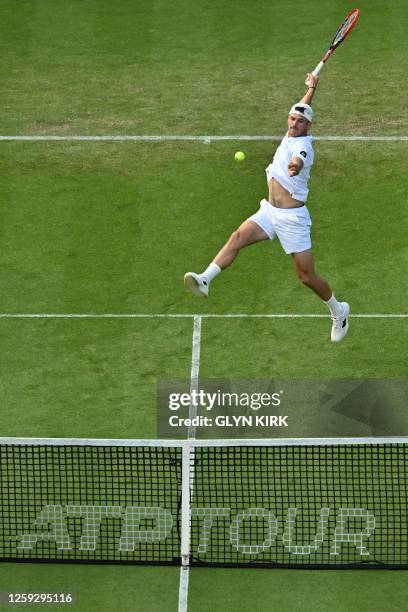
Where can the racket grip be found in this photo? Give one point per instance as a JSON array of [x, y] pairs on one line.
[[318, 69]]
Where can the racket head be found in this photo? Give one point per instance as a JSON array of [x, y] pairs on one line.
[[345, 28]]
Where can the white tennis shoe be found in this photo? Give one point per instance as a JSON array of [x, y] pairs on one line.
[[196, 283], [340, 324]]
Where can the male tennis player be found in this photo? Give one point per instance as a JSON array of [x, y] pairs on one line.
[[284, 214]]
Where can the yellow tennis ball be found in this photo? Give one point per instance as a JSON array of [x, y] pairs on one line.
[[239, 156]]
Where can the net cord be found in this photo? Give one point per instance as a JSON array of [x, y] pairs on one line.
[[201, 443]]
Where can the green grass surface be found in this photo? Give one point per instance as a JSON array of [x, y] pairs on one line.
[[154, 589], [87, 378], [302, 591], [270, 347], [203, 68], [102, 227], [95, 588], [98, 227]]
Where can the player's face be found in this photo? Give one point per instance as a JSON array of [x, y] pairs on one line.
[[297, 125]]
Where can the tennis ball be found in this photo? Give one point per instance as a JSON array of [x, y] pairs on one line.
[[239, 156]]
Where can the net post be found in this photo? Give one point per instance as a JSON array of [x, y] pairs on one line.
[[185, 504]]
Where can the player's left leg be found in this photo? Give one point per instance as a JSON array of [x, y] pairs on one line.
[[304, 266]]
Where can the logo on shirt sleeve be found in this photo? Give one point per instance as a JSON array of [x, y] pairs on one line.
[[303, 154]]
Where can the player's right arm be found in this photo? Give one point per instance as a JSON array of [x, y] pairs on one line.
[[311, 82]]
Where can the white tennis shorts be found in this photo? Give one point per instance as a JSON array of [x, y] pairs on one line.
[[290, 225]]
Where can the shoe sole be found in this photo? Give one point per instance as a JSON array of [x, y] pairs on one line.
[[347, 307], [192, 285]]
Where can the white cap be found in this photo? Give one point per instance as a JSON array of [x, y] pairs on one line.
[[303, 110]]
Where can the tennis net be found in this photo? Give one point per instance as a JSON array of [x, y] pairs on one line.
[[270, 503]]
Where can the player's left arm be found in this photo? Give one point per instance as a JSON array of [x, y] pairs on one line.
[[302, 157], [295, 166], [311, 82]]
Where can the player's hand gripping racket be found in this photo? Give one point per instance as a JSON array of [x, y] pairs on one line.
[[343, 31]]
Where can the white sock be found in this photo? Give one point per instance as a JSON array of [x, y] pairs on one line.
[[335, 307], [211, 272]]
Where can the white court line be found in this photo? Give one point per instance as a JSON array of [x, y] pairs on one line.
[[230, 315], [185, 547], [195, 371], [183, 588], [206, 139]]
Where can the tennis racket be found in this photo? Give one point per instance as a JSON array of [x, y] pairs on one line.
[[343, 31]]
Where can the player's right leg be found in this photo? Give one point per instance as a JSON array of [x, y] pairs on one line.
[[249, 232]]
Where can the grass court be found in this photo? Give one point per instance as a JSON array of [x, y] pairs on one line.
[[110, 227]]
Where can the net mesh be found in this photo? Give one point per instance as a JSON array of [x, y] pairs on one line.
[[95, 503], [299, 505], [312, 506]]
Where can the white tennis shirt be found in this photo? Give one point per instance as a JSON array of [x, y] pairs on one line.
[[302, 147]]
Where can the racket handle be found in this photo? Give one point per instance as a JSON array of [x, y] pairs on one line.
[[318, 68]]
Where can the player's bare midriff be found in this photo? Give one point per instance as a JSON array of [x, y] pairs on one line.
[[280, 197]]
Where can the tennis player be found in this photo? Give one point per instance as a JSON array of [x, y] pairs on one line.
[[284, 215]]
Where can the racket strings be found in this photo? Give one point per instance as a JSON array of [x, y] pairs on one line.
[[345, 27]]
